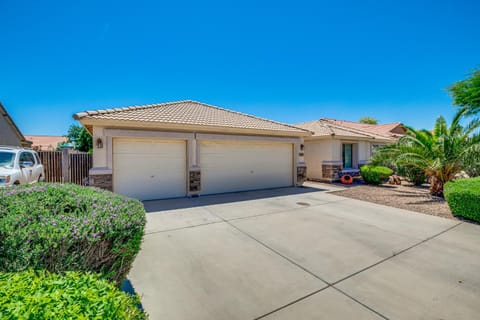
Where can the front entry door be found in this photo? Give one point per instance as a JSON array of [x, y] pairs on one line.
[[347, 155]]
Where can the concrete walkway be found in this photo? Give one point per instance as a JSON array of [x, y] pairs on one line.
[[302, 253]]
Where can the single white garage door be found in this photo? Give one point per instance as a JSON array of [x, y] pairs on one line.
[[149, 169], [229, 166]]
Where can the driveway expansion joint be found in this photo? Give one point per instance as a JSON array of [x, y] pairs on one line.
[[181, 228], [291, 303], [276, 212], [328, 284], [397, 253]]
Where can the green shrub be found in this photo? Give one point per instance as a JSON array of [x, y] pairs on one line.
[[463, 197], [472, 163], [65, 227], [44, 295], [414, 175], [375, 174]]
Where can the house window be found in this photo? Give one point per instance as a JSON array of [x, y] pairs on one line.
[[347, 155]]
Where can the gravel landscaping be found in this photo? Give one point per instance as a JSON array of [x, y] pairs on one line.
[[407, 197]]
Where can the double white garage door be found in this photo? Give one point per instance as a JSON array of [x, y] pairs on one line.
[[154, 169]]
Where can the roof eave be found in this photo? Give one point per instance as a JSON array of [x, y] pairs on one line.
[[88, 122], [341, 137]]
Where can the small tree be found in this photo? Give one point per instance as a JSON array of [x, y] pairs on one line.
[[80, 138], [466, 93], [368, 120]]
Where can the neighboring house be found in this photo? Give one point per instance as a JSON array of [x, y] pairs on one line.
[[188, 148], [10, 135], [46, 143], [343, 146], [394, 129]]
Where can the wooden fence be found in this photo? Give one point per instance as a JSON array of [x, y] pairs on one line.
[[66, 166]]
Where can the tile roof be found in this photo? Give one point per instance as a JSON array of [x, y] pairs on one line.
[[189, 113], [394, 129], [327, 128], [45, 142]]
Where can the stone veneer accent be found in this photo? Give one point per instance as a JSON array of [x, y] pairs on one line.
[[194, 181], [301, 174], [103, 181], [330, 171]]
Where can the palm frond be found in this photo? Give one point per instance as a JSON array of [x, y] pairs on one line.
[[440, 127]]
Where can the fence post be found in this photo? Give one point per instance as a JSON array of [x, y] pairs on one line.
[[66, 165]]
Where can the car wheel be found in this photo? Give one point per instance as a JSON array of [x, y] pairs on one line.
[[16, 183]]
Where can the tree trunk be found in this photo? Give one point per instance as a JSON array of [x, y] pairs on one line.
[[436, 186]]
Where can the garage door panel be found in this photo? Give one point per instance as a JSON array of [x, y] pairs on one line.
[[229, 166], [150, 161], [149, 169], [149, 147]]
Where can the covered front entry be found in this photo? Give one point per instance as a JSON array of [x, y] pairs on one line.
[[149, 169], [229, 166]]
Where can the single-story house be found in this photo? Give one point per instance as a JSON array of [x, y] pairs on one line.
[[10, 135], [186, 148], [338, 146], [46, 143]]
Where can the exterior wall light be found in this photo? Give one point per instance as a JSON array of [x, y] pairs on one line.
[[99, 143]]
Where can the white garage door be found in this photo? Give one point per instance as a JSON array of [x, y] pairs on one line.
[[229, 166], [149, 169]]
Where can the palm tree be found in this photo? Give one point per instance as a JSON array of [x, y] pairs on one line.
[[441, 153]]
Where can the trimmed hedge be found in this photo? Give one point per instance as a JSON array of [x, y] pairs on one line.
[[375, 174], [463, 197], [44, 295], [65, 227]]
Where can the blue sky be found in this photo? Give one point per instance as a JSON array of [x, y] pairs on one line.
[[288, 61]]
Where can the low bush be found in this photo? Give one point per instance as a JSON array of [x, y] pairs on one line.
[[414, 175], [44, 295], [375, 174], [472, 163], [65, 227], [463, 197]]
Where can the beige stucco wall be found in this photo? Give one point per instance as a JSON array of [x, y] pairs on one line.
[[363, 151], [316, 152], [99, 154], [336, 146], [7, 134]]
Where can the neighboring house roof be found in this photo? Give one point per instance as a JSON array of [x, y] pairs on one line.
[[13, 126], [395, 129], [322, 128], [184, 114], [46, 143]]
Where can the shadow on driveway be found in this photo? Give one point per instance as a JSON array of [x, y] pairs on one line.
[[182, 203]]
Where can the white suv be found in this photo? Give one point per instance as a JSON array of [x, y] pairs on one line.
[[19, 166]]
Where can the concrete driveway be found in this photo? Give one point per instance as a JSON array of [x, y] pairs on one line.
[[302, 253]]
